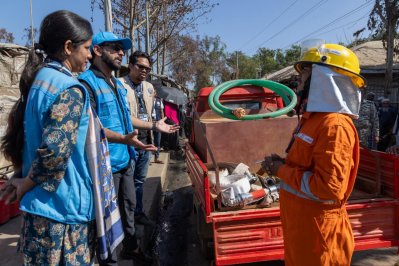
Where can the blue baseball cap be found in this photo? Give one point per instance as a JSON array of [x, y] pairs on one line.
[[106, 36]]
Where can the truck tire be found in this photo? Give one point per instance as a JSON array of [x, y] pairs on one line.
[[207, 248], [204, 233]]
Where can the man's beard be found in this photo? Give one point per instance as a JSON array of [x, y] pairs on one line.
[[109, 62]]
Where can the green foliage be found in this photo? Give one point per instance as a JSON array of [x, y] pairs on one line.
[[247, 67], [384, 22], [292, 55], [280, 58], [205, 62], [273, 60], [211, 64], [382, 12]]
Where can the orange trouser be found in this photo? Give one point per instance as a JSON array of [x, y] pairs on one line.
[[315, 234]]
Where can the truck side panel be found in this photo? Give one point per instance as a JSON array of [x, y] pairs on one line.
[[243, 141], [250, 236], [374, 224], [378, 173], [255, 234], [199, 179], [244, 236]]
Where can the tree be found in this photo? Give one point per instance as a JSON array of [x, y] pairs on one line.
[[198, 62], [167, 18], [292, 55], [280, 59], [211, 65], [183, 57], [384, 21], [266, 59], [6, 36], [28, 35], [270, 60], [248, 67], [175, 16]]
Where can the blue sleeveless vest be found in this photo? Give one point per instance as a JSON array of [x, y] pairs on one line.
[[112, 116], [72, 202]]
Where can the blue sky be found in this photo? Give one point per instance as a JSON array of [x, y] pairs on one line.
[[243, 25], [279, 24]]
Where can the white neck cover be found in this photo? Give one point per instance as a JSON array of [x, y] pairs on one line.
[[332, 92]]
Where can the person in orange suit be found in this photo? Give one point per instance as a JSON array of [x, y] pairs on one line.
[[320, 168]]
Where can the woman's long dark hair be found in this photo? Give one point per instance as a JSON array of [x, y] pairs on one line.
[[56, 28]]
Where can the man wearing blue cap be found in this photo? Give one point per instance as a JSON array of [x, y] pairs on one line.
[[108, 99]]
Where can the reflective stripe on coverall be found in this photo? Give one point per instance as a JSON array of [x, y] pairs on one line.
[[317, 179]]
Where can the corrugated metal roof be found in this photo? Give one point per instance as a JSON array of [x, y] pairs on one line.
[[372, 55], [282, 74]]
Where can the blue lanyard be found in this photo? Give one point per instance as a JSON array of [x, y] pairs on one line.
[[298, 127], [139, 96], [58, 66]]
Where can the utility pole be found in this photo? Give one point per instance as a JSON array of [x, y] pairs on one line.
[[147, 36], [258, 72], [32, 35], [391, 21], [108, 15], [237, 70]]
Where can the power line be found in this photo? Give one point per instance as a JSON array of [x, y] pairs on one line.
[[334, 21], [339, 27], [307, 12], [268, 25]]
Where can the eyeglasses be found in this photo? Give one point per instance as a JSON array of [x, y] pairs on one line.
[[142, 67], [114, 47]]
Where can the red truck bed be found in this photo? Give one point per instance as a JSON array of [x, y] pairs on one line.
[[255, 234], [252, 235]]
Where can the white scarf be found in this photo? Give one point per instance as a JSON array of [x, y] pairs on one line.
[[332, 92], [108, 219]]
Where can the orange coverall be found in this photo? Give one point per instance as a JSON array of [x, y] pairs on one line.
[[316, 180]]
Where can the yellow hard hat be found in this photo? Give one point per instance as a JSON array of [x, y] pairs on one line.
[[338, 57]]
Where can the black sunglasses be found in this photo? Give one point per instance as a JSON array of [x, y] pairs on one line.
[[141, 67], [115, 47]]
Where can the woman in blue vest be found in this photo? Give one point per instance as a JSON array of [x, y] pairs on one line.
[[46, 139]]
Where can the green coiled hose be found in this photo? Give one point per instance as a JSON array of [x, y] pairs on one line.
[[278, 88]]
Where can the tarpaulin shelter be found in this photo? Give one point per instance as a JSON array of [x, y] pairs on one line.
[[169, 93], [12, 62], [172, 95]]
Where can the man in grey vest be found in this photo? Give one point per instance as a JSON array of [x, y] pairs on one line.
[[140, 96]]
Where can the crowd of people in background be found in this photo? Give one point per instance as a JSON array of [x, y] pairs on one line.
[[376, 124]]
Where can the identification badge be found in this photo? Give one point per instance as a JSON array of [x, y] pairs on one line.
[[305, 138], [143, 117]]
